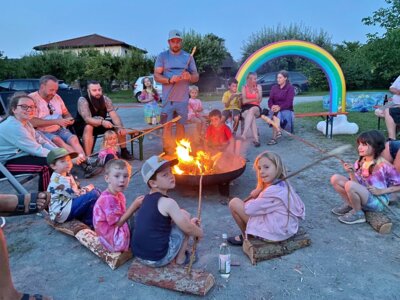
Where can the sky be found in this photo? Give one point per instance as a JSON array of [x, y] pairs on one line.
[[145, 24]]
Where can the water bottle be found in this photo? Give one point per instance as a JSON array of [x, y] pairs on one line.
[[153, 118], [224, 258]]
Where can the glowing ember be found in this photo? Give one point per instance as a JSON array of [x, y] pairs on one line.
[[201, 163]]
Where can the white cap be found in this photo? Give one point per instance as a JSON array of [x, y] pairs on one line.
[[174, 34], [154, 164]]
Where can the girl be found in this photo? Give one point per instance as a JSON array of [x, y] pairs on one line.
[[109, 147], [370, 180], [251, 100], [275, 209], [150, 96], [195, 109]]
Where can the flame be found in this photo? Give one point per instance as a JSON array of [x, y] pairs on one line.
[[201, 163]]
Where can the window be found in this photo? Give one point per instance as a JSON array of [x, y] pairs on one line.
[[4, 86], [22, 85]]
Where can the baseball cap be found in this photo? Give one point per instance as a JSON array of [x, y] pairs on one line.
[[154, 164], [174, 34], [58, 153]]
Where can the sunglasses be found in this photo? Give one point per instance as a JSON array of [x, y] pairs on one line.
[[27, 107], [51, 108]]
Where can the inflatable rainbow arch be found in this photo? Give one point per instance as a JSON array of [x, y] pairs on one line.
[[309, 51]]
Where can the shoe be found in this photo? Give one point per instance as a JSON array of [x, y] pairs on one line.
[[272, 142], [256, 144], [353, 218], [341, 210], [125, 154], [91, 170], [279, 135], [233, 241]]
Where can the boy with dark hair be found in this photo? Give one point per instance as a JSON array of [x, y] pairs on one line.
[[161, 228], [232, 102], [218, 135]]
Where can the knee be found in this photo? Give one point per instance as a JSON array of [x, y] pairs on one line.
[[88, 129], [334, 179], [234, 203], [349, 186], [58, 141], [74, 140]]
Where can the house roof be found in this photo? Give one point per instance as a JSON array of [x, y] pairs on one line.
[[93, 40]]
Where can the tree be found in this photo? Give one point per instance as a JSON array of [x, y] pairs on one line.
[[387, 18], [134, 65]]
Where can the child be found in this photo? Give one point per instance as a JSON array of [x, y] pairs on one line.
[[162, 229], [275, 210], [68, 201], [195, 109], [110, 213], [232, 102], [218, 135], [150, 96], [371, 179], [109, 147]]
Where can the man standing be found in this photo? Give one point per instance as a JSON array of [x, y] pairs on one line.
[[174, 72], [91, 119]]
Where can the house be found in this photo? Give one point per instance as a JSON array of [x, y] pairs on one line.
[[93, 41]]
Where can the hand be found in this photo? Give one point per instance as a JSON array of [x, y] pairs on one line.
[[374, 191], [79, 159], [107, 124], [254, 193], [64, 122], [175, 79], [348, 168], [121, 131], [195, 221], [139, 200], [275, 108], [186, 75]]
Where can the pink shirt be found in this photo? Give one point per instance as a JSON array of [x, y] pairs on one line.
[[193, 108], [269, 215], [104, 152], [107, 211]]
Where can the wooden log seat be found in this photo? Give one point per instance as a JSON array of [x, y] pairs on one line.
[[379, 221], [172, 277], [258, 250]]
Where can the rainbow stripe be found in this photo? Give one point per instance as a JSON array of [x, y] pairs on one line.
[[309, 51]]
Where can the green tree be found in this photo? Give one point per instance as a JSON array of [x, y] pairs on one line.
[[134, 65]]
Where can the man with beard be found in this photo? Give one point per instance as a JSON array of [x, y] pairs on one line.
[[174, 72], [91, 119]]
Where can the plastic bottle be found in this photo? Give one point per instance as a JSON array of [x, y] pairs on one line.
[[153, 117], [224, 258]]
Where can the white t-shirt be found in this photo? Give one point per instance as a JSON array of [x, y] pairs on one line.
[[396, 85]]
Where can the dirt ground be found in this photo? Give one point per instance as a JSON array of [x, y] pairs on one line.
[[343, 261]]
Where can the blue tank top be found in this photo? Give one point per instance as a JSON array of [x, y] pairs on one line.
[[152, 230]]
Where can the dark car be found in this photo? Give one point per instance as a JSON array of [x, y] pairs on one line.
[[297, 79], [26, 85]]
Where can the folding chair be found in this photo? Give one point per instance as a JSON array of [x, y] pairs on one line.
[[13, 179]]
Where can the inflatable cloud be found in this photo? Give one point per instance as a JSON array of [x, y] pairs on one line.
[[340, 126]]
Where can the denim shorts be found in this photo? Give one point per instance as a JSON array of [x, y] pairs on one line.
[[181, 108], [63, 133], [228, 113], [374, 204], [175, 243], [394, 147]]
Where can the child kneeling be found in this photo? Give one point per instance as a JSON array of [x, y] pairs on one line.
[[275, 210], [161, 229]]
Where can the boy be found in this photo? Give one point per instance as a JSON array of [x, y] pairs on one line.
[[162, 229], [68, 201], [218, 135], [232, 101], [110, 213]]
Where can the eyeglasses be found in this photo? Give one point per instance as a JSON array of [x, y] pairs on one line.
[[27, 107], [51, 108]]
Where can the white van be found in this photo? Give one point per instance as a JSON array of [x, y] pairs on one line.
[[138, 87]]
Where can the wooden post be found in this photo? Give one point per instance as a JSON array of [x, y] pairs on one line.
[[172, 277], [379, 221]]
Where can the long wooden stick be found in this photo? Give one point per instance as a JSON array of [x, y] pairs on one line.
[[196, 240]]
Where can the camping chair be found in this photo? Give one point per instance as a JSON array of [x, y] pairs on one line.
[[13, 179]]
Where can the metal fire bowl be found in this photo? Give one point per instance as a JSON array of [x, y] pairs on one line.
[[212, 179]]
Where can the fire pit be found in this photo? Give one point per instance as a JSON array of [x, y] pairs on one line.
[[218, 169]]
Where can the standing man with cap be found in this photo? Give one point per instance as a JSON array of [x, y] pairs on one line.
[[174, 72]]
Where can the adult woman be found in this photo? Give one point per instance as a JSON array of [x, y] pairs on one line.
[[251, 99], [280, 104], [24, 149]]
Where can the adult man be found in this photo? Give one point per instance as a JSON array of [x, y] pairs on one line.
[[52, 118], [91, 119], [392, 115], [174, 72]]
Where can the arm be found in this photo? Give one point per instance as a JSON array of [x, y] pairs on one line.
[[84, 111], [37, 122], [350, 171], [265, 203], [131, 210]]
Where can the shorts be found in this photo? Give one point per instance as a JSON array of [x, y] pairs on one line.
[[175, 243], [394, 147], [374, 204], [63, 133], [79, 128], [395, 114], [181, 108], [228, 113]]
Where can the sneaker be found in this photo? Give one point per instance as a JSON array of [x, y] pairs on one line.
[[91, 170], [125, 154], [353, 218], [341, 210]]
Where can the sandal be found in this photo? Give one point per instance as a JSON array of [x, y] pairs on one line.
[[233, 241], [272, 142], [278, 135], [33, 206]]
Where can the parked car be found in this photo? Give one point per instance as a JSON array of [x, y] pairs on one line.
[[138, 87], [27, 85], [297, 79]]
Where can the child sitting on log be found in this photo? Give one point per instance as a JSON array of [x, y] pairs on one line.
[[274, 211], [68, 201], [110, 213], [369, 181], [218, 135], [161, 229]]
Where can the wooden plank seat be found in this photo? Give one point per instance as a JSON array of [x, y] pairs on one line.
[[172, 277], [90, 240], [258, 250], [324, 114]]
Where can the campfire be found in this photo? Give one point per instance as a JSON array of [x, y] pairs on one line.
[[194, 164]]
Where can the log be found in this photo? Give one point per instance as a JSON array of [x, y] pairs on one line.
[[90, 240], [379, 221], [71, 227], [259, 250], [172, 277]]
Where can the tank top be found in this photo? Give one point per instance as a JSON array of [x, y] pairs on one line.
[[151, 236], [251, 96]]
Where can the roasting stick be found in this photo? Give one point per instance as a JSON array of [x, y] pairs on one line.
[[196, 240]]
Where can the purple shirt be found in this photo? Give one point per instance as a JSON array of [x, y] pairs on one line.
[[282, 96]]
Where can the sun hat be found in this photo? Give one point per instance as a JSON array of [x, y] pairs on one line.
[[174, 34], [58, 153], [154, 164]]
